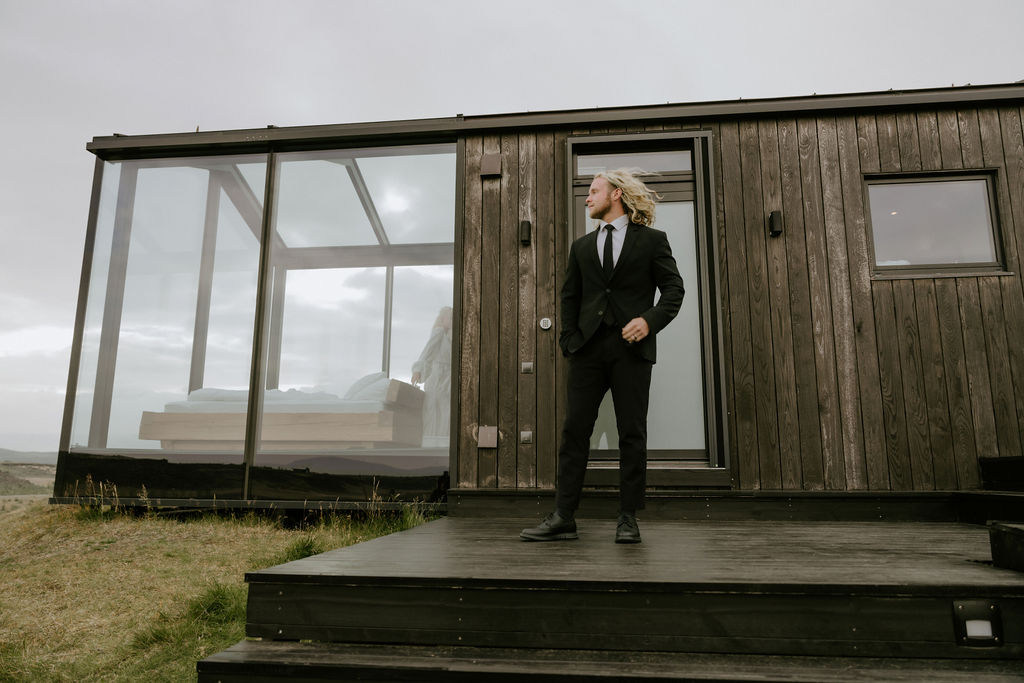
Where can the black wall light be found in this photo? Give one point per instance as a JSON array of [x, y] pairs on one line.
[[524, 232], [775, 224]]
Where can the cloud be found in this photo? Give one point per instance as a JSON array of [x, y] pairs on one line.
[[35, 342]]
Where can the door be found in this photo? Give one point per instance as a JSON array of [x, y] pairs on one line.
[[683, 423]]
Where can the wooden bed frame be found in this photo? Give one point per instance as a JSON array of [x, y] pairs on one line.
[[400, 424]]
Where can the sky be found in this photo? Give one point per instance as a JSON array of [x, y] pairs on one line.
[[71, 70]]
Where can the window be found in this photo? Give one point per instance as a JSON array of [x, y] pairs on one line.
[[930, 224], [672, 161]]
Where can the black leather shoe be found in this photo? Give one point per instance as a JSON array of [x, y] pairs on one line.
[[627, 531], [553, 528]]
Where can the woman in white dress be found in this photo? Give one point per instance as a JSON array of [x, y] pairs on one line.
[[434, 370]]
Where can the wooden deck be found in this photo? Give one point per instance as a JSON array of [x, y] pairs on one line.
[[779, 590], [873, 556]]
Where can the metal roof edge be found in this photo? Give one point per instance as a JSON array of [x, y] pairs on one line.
[[741, 107], [259, 139]]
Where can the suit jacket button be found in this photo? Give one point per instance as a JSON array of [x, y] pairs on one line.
[[600, 312], [608, 291]]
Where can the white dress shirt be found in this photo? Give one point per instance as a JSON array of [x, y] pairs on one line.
[[618, 237]]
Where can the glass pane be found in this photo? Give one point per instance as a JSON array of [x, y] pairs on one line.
[[421, 346], [317, 205], [93, 327], [414, 195], [232, 301], [652, 162], [931, 223], [352, 321], [366, 197], [675, 419], [171, 306], [333, 328]]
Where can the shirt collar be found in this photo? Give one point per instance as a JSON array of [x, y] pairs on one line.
[[619, 223]]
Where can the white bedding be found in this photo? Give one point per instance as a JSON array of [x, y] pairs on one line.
[[211, 400]]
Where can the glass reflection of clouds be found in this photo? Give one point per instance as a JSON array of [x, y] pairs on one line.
[[317, 206], [932, 222], [425, 185], [149, 353], [328, 290], [361, 272]]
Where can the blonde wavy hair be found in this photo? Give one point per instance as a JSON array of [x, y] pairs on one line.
[[636, 196]]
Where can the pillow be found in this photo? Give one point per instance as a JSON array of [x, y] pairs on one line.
[[372, 387]]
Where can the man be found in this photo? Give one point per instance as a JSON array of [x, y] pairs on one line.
[[608, 327]]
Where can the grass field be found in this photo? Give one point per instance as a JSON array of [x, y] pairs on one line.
[[94, 594], [25, 478]]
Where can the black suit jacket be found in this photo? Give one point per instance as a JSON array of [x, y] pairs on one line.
[[645, 264]]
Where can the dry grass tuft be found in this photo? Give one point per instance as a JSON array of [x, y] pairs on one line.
[[98, 594]]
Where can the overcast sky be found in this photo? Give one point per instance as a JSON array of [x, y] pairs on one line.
[[72, 70]]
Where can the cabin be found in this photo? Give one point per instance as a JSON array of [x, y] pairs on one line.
[[366, 315], [343, 313]]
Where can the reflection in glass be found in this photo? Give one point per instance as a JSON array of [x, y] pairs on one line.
[[932, 223], [675, 419], [333, 328], [652, 162], [171, 302], [92, 329], [359, 359]]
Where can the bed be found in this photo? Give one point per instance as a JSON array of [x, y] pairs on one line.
[[375, 412]]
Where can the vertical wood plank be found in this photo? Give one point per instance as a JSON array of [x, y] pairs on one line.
[[867, 143], [934, 373], [1004, 410], [888, 142], [547, 303], [812, 476], [928, 138], [977, 367], [526, 409], [910, 145], [1005, 126], [855, 475], [469, 368], [969, 132], [949, 140], [1003, 145], [821, 306], [890, 379], [561, 231], [745, 444], [921, 470], [508, 315], [877, 474], [724, 302], [766, 405], [1004, 399], [965, 450], [781, 318], [490, 332]]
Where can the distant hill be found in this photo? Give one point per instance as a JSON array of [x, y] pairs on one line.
[[34, 457]]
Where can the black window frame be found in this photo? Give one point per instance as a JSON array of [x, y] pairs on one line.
[[931, 270]]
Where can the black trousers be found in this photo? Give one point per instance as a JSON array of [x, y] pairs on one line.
[[605, 362]]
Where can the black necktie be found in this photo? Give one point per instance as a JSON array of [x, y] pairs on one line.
[[609, 266], [609, 258]]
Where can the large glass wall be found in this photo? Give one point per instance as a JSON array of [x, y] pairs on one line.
[[171, 300], [355, 330]]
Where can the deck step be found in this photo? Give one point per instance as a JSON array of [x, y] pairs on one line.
[[799, 589], [255, 661]]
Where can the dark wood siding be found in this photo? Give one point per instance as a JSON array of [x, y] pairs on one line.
[[835, 380]]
